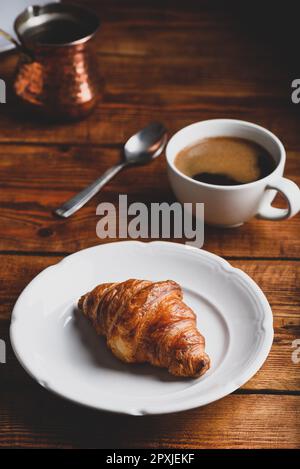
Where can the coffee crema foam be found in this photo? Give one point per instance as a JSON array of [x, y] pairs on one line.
[[225, 161]]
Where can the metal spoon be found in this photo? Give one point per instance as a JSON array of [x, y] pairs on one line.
[[141, 148]]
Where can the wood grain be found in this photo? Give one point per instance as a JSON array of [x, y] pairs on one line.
[[278, 374], [120, 114], [37, 179], [237, 421], [178, 62], [175, 64], [279, 282]]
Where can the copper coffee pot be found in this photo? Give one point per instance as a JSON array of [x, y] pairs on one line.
[[56, 73]]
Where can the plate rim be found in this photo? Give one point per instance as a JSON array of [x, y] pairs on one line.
[[191, 402]]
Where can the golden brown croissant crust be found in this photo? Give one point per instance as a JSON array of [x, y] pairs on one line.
[[147, 321]]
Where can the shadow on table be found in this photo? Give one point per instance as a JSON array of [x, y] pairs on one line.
[[49, 421]]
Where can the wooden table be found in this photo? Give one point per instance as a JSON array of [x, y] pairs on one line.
[[177, 64]]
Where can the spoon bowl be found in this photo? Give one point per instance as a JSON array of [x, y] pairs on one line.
[[146, 144]]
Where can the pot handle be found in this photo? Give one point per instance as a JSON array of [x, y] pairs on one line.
[[19, 46], [9, 38]]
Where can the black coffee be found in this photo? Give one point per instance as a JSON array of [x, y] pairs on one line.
[[56, 32], [225, 161]]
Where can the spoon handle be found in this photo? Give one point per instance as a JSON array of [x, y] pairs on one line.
[[75, 203]]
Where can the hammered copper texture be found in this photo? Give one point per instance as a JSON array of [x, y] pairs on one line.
[[62, 82]]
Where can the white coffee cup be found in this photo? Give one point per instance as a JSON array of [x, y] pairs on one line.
[[230, 206]]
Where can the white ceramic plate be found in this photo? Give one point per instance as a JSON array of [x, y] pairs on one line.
[[60, 350], [8, 15]]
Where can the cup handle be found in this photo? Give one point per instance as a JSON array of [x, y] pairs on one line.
[[290, 192]]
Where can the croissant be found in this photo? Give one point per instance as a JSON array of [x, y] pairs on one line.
[[147, 321]]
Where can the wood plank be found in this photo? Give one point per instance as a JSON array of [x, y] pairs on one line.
[[121, 112], [237, 421], [166, 79], [179, 63], [279, 281], [278, 373], [37, 179], [179, 77]]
